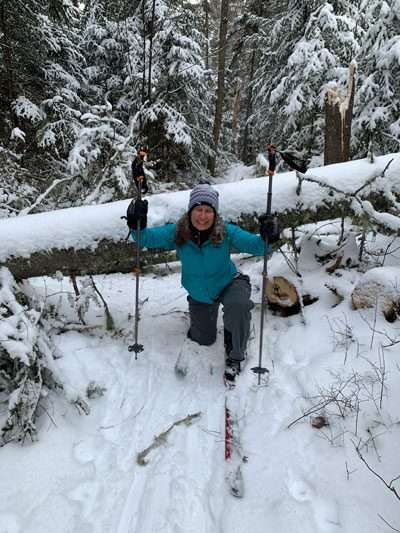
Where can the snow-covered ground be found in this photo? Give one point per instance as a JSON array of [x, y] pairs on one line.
[[83, 476]]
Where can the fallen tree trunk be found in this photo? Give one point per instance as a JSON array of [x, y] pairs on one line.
[[91, 240], [108, 256]]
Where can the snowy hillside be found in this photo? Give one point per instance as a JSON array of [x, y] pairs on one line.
[[83, 475]]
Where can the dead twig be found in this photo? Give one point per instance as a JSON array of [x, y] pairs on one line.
[[162, 437], [388, 485], [109, 319], [387, 523]]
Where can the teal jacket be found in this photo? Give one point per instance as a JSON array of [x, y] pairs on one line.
[[206, 269]]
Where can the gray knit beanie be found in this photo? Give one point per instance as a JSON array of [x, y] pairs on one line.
[[203, 194]]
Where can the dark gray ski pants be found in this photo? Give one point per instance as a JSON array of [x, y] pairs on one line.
[[235, 299]]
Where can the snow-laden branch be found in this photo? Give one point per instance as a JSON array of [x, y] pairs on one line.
[[40, 198], [355, 200]]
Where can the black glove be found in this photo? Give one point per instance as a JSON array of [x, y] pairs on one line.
[[137, 212], [269, 229]]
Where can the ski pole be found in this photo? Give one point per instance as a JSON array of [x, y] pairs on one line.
[[260, 370], [136, 347]]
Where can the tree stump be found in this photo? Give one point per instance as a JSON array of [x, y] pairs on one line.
[[281, 292], [338, 117], [283, 297]]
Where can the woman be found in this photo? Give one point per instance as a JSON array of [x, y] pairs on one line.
[[203, 243]]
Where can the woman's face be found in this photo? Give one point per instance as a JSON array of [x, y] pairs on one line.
[[202, 217]]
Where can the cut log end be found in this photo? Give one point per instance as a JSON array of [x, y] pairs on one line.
[[283, 297]]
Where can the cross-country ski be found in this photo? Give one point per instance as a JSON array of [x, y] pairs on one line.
[[234, 457]]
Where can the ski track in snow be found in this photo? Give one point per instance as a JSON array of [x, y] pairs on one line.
[[294, 505], [182, 488], [171, 493]]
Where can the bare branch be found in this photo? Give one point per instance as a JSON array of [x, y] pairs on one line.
[[388, 485], [387, 523]]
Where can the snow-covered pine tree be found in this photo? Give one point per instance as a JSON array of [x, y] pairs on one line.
[[27, 362], [377, 104], [176, 117], [16, 191], [101, 155], [35, 101], [63, 72], [248, 37], [146, 83], [310, 47]]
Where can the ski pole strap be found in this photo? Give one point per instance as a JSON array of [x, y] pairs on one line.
[[301, 165]]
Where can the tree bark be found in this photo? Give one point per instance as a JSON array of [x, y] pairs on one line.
[[207, 33], [219, 106], [235, 115], [249, 109], [153, 15], [6, 44], [338, 117], [144, 52]]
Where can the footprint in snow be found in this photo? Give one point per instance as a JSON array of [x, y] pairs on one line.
[[84, 451], [298, 488], [86, 494], [325, 512]]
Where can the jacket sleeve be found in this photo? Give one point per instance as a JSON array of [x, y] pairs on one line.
[[246, 242], [157, 237]]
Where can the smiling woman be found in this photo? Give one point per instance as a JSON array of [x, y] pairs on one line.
[[203, 243], [202, 217]]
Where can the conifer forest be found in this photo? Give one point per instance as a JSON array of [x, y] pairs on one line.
[[202, 83]]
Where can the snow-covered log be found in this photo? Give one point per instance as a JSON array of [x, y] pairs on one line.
[[92, 239]]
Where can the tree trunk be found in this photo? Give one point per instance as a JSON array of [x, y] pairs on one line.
[[144, 51], [107, 256], [338, 117], [6, 45], [207, 33], [235, 114], [153, 15], [249, 109], [219, 106]]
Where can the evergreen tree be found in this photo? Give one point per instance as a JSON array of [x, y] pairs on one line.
[[377, 106], [146, 84], [249, 36], [311, 47], [176, 117], [37, 57], [100, 157]]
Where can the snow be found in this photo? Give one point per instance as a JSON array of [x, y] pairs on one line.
[[82, 227], [82, 474], [24, 108]]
